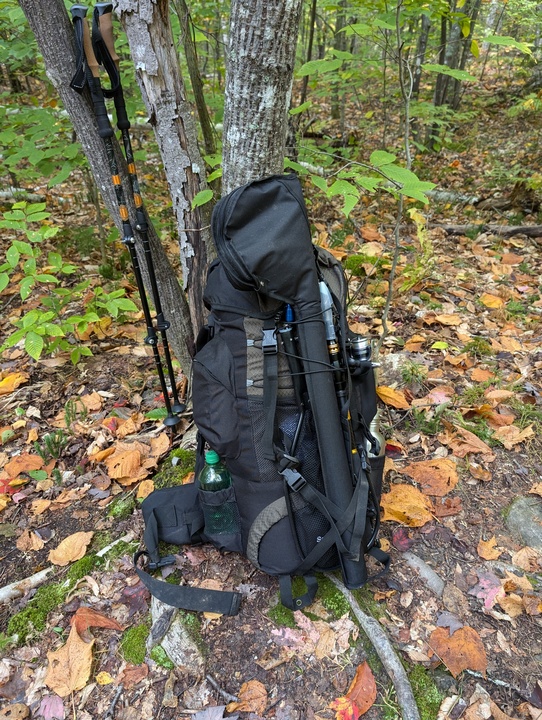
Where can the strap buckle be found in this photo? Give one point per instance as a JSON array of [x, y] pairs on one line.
[[269, 341], [295, 480], [162, 562]]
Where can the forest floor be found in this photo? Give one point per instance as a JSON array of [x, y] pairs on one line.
[[461, 400]]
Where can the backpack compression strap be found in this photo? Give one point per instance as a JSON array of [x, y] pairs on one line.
[[186, 597]]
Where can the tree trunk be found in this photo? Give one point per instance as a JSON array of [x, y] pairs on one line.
[[51, 25], [153, 51], [259, 74]]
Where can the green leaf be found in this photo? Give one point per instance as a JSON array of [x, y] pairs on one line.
[[342, 54], [507, 41], [53, 330], [214, 175], [379, 158], [475, 48], [343, 187], [85, 351], [319, 66], [38, 474], [384, 24], [37, 216], [26, 286], [33, 344], [54, 259], [368, 182], [24, 247], [61, 175], [202, 197], [158, 414], [45, 277], [350, 202], [4, 281], [417, 191], [75, 355], [320, 183], [439, 345], [360, 29], [12, 256], [301, 108], [126, 304], [400, 174], [445, 70]]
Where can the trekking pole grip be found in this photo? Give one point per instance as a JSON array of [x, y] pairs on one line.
[[105, 21], [79, 12]]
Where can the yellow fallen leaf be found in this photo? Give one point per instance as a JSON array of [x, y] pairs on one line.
[[449, 319], [491, 301], [71, 548], [38, 507], [395, 398], [488, 549], [104, 678], [32, 436], [407, 505], [4, 501], [145, 488], [12, 381], [511, 604]]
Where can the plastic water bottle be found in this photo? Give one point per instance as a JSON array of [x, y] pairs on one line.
[[374, 429], [223, 517]]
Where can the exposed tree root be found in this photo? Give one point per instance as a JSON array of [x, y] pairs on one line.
[[386, 653]]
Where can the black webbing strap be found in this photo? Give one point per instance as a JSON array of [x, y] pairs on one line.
[[287, 596], [103, 56], [270, 387], [79, 79], [180, 596]]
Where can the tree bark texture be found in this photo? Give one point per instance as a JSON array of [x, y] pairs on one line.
[[259, 71], [52, 27], [153, 51]]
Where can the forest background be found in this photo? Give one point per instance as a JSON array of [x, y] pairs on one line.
[[415, 130]]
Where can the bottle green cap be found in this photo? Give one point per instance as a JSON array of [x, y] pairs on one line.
[[211, 457]]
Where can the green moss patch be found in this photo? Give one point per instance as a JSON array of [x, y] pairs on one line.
[[133, 644], [160, 657], [170, 474], [427, 695]]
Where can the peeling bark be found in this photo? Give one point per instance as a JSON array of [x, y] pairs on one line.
[[148, 29], [52, 27], [259, 74]]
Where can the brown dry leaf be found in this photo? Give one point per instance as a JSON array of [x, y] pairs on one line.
[[15, 711], [93, 401], [252, 698], [395, 398], [141, 474], [532, 604], [132, 674], [32, 435], [481, 375], [362, 690], [497, 396], [480, 473], [436, 396], [510, 435], [12, 381], [38, 507], [437, 476], [511, 604], [516, 582], [72, 548], [510, 258], [23, 463], [510, 344], [86, 617], [338, 253], [160, 444], [29, 541], [488, 550], [449, 319], [70, 666], [527, 559], [4, 501], [536, 489], [123, 464], [415, 343], [461, 651], [372, 236], [407, 505], [102, 454], [447, 507], [145, 489], [131, 426], [462, 442], [491, 301]]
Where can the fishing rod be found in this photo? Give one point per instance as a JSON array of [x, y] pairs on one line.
[[88, 73]]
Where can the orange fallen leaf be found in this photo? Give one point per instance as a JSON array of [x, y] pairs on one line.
[[372, 236], [437, 477], [12, 381], [511, 604], [71, 548], [23, 463], [252, 698], [32, 436], [462, 442], [510, 435], [345, 708], [395, 398], [38, 507], [362, 690], [497, 395], [132, 674], [86, 617], [93, 401], [145, 488], [123, 464], [407, 505], [480, 473], [102, 454], [461, 651], [481, 374], [488, 550]]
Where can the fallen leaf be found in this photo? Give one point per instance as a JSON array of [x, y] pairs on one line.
[[480, 473], [461, 651], [16, 711], [123, 464], [450, 319], [510, 435], [481, 374], [23, 463], [362, 690], [70, 666], [104, 678], [12, 381], [532, 604], [497, 395], [131, 675], [52, 708], [92, 402], [512, 605], [345, 709], [29, 541], [144, 489], [488, 589], [437, 476], [252, 698], [462, 442], [71, 548], [491, 301], [527, 559], [407, 505], [488, 549], [447, 507], [536, 489], [395, 398], [86, 617], [32, 436]]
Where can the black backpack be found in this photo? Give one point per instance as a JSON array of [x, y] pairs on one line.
[[284, 392]]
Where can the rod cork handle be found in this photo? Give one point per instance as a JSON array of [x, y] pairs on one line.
[[105, 15], [80, 11]]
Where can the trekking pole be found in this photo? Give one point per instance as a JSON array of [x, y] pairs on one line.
[[91, 76], [103, 43]]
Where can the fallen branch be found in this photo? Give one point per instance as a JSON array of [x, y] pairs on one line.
[[501, 230], [386, 653], [433, 581], [19, 588]]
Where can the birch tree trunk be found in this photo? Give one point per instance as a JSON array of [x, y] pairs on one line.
[[49, 21], [259, 72], [153, 51]]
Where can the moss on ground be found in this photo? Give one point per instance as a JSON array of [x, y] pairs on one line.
[[83, 567], [122, 506], [133, 644], [170, 474], [34, 616], [192, 623], [426, 693]]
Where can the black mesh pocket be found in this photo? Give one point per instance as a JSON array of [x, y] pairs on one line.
[[222, 521]]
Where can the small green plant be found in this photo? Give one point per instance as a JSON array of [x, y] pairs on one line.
[[424, 266], [413, 373], [160, 657], [52, 445], [428, 422], [515, 308], [478, 347], [113, 303], [74, 410]]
